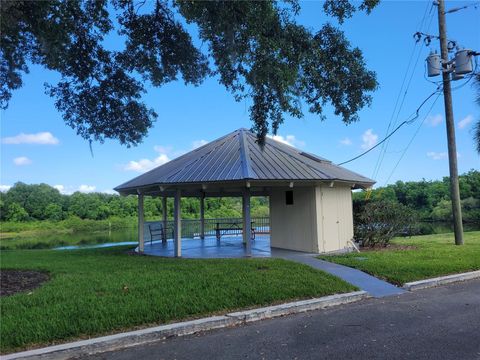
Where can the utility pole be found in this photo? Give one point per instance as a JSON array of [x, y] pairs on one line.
[[452, 147]]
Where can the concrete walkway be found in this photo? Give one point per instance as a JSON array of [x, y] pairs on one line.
[[374, 286]]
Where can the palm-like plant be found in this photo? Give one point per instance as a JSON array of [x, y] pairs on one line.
[[476, 128]]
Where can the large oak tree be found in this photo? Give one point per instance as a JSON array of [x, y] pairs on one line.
[[257, 50]]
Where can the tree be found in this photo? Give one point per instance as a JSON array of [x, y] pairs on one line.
[[54, 212], [257, 50], [34, 199], [15, 212]]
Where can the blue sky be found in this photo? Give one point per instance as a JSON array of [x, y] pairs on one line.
[[52, 153]]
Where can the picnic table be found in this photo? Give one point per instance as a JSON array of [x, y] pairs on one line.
[[222, 228]]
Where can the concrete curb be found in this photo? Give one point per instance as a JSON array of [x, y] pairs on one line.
[[442, 280], [297, 307], [102, 344]]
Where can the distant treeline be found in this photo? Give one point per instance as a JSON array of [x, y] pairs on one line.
[[22, 202], [430, 200]]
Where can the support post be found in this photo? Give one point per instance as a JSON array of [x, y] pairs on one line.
[[247, 222], [202, 216], [141, 239], [164, 219], [178, 223], [452, 147]]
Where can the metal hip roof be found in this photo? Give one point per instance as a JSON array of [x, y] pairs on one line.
[[238, 156]]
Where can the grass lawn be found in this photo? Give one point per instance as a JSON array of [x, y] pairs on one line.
[[434, 255], [100, 291]]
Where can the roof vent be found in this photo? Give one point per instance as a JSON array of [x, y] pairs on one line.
[[313, 157]]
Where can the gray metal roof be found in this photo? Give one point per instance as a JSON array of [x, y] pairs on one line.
[[238, 156]]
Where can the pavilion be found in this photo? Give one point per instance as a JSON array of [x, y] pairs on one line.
[[310, 197]]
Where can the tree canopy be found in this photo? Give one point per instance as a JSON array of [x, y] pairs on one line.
[[25, 202], [257, 50], [429, 200]]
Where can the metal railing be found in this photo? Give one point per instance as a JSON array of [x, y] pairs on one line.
[[191, 227]]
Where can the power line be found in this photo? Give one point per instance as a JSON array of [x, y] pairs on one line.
[[384, 148], [413, 137], [401, 104], [377, 164], [409, 121]]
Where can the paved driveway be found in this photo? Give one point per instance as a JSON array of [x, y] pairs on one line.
[[439, 323]]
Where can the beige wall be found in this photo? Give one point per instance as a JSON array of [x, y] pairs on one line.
[[293, 226], [320, 220], [335, 217]]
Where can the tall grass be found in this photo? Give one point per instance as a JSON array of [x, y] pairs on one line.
[[72, 224]]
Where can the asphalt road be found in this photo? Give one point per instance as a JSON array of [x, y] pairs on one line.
[[438, 323]]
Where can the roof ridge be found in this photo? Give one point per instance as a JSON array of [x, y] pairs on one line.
[[214, 145], [245, 155]]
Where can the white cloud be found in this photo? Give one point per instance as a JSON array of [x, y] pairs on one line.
[[165, 154], [22, 160], [198, 143], [61, 189], [109, 192], [437, 155], [289, 140], [462, 124], [163, 149], [144, 165], [369, 139], [4, 188], [86, 188], [41, 138], [434, 120], [68, 190], [346, 141]]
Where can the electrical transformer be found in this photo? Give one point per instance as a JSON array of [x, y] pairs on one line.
[[434, 64], [463, 62]]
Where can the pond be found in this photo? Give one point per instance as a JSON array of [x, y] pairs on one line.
[[427, 228], [128, 236], [124, 236]]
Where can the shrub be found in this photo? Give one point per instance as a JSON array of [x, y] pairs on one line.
[[377, 222]]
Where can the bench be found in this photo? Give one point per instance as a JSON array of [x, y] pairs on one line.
[[159, 232], [222, 228]]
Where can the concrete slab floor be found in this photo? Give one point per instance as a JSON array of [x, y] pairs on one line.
[[230, 246]]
